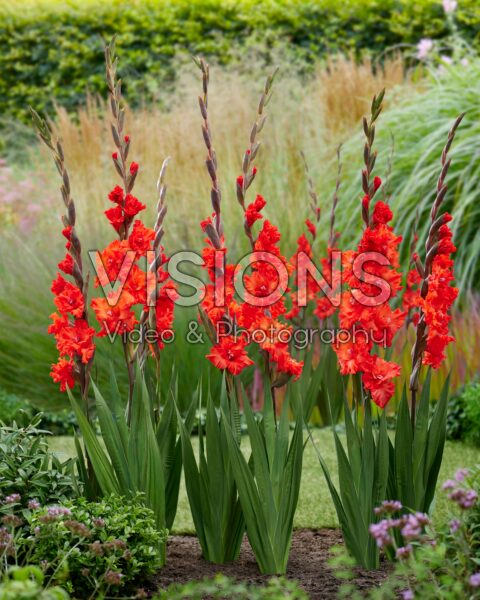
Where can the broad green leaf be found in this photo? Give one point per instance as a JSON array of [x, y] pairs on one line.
[[98, 458]]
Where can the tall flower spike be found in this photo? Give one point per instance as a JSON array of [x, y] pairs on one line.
[[121, 317], [411, 294], [333, 238], [73, 337], [370, 156], [211, 160], [314, 199], [433, 249], [245, 180], [149, 316], [121, 141]]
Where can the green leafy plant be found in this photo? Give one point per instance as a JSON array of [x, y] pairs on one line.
[[471, 400], [225, 587], [456, 418], [269, 483], [13, 408], [210, 484], [144, 456], [90, 548], [29, 469], [363, 476], [416, 454], [320, 390], [26, 583], [438, 561]]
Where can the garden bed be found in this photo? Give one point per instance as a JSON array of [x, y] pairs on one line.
[[308, 564]]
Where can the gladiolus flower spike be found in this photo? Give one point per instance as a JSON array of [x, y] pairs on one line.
[[73, 335]]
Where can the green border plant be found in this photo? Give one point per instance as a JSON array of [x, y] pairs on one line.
[[210, 484]]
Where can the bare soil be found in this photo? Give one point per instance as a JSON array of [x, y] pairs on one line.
[[308, 564]]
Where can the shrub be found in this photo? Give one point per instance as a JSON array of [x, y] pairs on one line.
[[13, 408], [29, 469], [65, 39], [60, 422], [26, 583], [431, 562], [456, 418], [471, 400], [224, 587], [96, 545], [463, 420]]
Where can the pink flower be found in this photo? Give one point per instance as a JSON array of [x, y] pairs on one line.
[[424, 47], [381, 533], [454, 525], [449, 6], [475, 580], [404, 551], [461, 474]]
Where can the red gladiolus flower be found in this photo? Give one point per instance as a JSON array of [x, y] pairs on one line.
[[132, 205], [76, 339], [376, 324], [116, 195], [117, 319], [133, 168], [382, 213], [377, 182], [205, 223], [136, 285], [439, 299], [62, 373], [311, 227], [141, 237], [114, 262], [268, 239], [411, 297], [252, 212], [59, 322], [68, 298], [66, 265], [378, 380], [115, 216], [229, 354]]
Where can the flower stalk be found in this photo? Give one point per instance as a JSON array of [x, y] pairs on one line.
[[435, 246], [72, 265]]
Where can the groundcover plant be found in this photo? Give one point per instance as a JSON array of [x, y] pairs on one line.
[[252, 309]]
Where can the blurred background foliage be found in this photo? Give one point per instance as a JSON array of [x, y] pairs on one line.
[[333, 58], [50, 49]]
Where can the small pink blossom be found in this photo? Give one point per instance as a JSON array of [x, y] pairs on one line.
[[424, 47], [475, 580], [449, 6]]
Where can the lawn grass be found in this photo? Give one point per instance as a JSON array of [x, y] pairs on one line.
[[315, 508]]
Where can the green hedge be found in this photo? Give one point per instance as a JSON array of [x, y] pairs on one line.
[[51, 50]]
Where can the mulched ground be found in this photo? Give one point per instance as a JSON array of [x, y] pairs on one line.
[[308, 558]]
